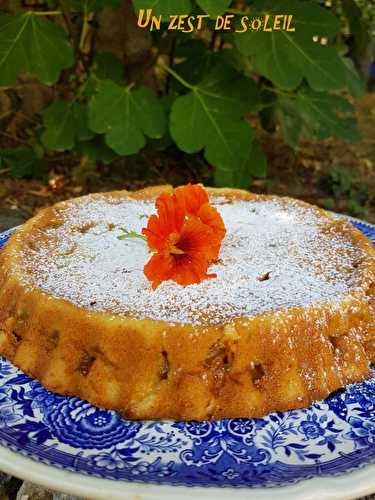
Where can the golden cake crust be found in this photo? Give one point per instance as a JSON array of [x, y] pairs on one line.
[[148, 368]]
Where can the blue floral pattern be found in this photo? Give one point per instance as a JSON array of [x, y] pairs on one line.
[[330, 437], [81, 425]]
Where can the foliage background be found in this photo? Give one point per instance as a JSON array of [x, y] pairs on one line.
[[90, 102]]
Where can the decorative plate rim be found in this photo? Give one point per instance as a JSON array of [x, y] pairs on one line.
[[354, 485], [359, 482]]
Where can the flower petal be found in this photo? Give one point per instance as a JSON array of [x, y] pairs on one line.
[[191, 197], [191, 271], [171, 213], [169, 220], [159, 268], [197, 237], [210, 216]]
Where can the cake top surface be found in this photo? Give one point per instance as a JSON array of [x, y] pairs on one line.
[[276, 254]]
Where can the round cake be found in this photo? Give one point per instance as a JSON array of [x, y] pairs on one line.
[[287, 319]]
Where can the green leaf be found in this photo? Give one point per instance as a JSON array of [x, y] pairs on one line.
[[354, 81], [328, 115], [287, 58], [291, 123], [359, 27], [108, 67], [164, 8], [29, 43], [93, 5], [214, 7], [256, 163], [64, 122], [318, 114], [238, 61], [210, 117], [126, 116], [253, 164], [309, 18], [24, 163], [81, 121], [195, 60], [96, 150]]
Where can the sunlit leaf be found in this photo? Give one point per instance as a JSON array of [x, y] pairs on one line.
[[126, 116], [29, 43], [286, 58], [210, 117], [317, 114], [253, 163]]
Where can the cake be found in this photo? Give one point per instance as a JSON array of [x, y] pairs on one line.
[[287, 319]]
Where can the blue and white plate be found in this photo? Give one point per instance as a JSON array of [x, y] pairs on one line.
[[67, 444]]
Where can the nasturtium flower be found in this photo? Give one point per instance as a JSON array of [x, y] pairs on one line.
[[185, 237]]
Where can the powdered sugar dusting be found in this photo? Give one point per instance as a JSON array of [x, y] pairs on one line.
[[275, 255]]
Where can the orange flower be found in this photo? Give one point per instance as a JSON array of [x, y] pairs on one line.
[[185, 236], [195, 201]]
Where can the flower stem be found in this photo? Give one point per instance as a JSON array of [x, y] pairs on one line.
[[175, 75], [47, 13], [130, 86], [84, 31], [131, 234], [278, 91]]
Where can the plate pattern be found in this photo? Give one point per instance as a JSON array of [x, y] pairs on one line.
[[329, 438]]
